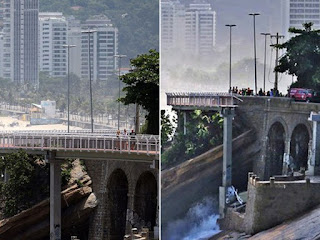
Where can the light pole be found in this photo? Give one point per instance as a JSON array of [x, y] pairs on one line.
[[230, 26], [89, 32], [255, 50], [265, 58], [68, 46], [119, 58]]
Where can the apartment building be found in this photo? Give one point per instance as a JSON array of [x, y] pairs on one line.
[[297, 12], [103, 47], [21, 41], [53, 35]]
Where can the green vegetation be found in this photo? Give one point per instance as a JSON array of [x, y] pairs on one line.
[[55, 89], [28, 181], [137, 21], [302, 57], [142, 87], [167, 129], [203, 132]]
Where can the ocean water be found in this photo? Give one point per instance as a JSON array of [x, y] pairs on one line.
[[200, 223]]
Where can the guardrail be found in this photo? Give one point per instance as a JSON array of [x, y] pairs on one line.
[[201, 99], [141, 144]]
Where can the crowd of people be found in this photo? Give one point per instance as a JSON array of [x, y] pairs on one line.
[[249, 92], [124, 141]]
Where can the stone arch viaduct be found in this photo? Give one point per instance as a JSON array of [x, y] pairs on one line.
[[127, 192], [124, 173], [281, 125], [283, 131]]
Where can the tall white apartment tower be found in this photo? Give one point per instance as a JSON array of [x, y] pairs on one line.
[[53, 35], [21, 41], [297, 12], [172, 25], [200, 27], [104, 45], [74, 38]]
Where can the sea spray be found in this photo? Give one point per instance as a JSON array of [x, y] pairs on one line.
[[199, 223]]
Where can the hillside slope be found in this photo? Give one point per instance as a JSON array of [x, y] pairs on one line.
[[137, 21]]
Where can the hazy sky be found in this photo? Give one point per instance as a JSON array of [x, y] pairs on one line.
[[231, 12]]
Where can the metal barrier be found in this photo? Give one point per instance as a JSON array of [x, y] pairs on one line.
[[201, 99], [141, 144]]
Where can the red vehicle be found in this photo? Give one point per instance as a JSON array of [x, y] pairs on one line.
[[301, 94]]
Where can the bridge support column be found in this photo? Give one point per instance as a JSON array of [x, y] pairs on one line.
[[286, 157], [55, 197], [184, 123], [228, 114], [130, 212], [314, 162]]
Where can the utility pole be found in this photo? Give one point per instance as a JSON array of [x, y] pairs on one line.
[[89, 32], [277, 36], [265, 56], [255, 49], [68, 46], [230, 26], [119, 56]]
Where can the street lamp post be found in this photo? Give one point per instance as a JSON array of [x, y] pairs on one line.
[[230, 26], [89, 32], [68, 46], [265, 58], [119, 58], [255, 50]]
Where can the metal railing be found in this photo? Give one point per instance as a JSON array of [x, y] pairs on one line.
[[140, 144], [201, 99]]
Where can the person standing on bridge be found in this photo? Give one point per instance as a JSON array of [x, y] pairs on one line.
[[125, 139], [132, 138]]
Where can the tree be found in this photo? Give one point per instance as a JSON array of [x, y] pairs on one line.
[[167, 128], [142, 87], [302, 57], [23, 189], [203, 132]]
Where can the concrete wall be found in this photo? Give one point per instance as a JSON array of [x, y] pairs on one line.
[[271, 203], [100, 171], [261, 113]]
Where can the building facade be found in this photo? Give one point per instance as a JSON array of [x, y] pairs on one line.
[[74, 38], [21, 41], [189, 28], [53, 35], [200, 29], [103, 47], [297, 12]]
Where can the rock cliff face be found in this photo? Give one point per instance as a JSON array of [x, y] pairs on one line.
[[192, 180], [78, 201]]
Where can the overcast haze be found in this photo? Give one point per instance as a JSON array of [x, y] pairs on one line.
[[181, 73]]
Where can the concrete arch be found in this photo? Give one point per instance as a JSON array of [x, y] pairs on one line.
[[275, 149], [304, 122], [117, 201], [145, 200], [283, 123], [299, 146]]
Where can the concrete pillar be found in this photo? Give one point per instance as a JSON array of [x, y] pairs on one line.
[[228, 114], [156, 228], [55, 197], [6, 176], [314, 163], [184, 123], [130, 208], [286, 157]]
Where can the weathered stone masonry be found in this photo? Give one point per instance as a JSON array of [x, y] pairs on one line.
[[102, 172]]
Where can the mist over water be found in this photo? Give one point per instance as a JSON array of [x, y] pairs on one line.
[[199, 223]]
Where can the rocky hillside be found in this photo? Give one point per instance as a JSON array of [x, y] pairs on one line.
[[78, 201]]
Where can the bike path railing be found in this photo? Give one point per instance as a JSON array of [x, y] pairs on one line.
[[140, 144]]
